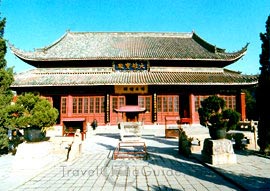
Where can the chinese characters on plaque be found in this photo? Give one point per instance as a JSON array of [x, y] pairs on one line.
[[131, 65], [142, 89]]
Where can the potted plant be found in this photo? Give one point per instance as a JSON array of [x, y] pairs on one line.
[[32, 113], [216, 117]]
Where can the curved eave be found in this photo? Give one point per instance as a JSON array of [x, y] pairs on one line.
[[84, 77], [22, 55], [50, 62]]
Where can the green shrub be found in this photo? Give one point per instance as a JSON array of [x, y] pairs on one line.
[[184, 143], [214, 115]]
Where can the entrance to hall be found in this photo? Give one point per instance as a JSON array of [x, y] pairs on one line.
[[143, 101]]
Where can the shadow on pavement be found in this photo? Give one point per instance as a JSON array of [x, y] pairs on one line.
[[163, 152], [110, 135], [171, 162]]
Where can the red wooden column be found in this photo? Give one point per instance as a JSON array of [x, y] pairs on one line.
[[243, 106], [192, 108], [69, 105]]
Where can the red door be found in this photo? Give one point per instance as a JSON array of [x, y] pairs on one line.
[[116, 102], [146, 102]]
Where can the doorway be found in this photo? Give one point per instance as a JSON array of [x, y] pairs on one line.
[[131, 99]]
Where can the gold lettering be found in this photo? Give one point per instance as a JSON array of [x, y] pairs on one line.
[[120, 66], [135, 65], [142, 66], [127, 65]]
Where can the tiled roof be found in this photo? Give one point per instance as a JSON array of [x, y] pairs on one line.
[[123, 45], [105, 76]]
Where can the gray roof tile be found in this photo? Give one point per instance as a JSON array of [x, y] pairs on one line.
[[122, 45], [105, 76]]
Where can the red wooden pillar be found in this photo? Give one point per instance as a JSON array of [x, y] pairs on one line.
[[192, 108], [69, 105], [243, 106]]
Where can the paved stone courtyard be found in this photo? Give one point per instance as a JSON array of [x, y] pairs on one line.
[[164, 169]]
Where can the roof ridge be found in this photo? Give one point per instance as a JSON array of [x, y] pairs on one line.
[[154, 34]]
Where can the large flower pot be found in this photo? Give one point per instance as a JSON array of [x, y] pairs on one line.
[[34, 135], [217, 133]]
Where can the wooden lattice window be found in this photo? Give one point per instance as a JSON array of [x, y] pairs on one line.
[[118, 102], [167, 103], [86, 105], [64, 105], [80, 105], [74, 105], [92, 101], [97, 105], [89, 104], [230, 101], [102, 100], [145, 102], [176, 103]]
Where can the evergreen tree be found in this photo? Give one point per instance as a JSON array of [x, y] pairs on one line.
[[31, 110], [262, 98], [6, 79], [251, 108]]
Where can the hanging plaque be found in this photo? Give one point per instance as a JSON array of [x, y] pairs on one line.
[[131, 65]]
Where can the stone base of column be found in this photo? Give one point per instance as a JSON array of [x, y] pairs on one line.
[[218, 152]]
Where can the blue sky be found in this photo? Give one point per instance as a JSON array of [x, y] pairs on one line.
[[228, 24]]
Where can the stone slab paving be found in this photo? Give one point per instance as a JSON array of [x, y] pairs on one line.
[[164, 169], [252, 172], [13, 175], [95, 170]]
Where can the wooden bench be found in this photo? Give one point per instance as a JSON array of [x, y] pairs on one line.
[[172, 126]]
